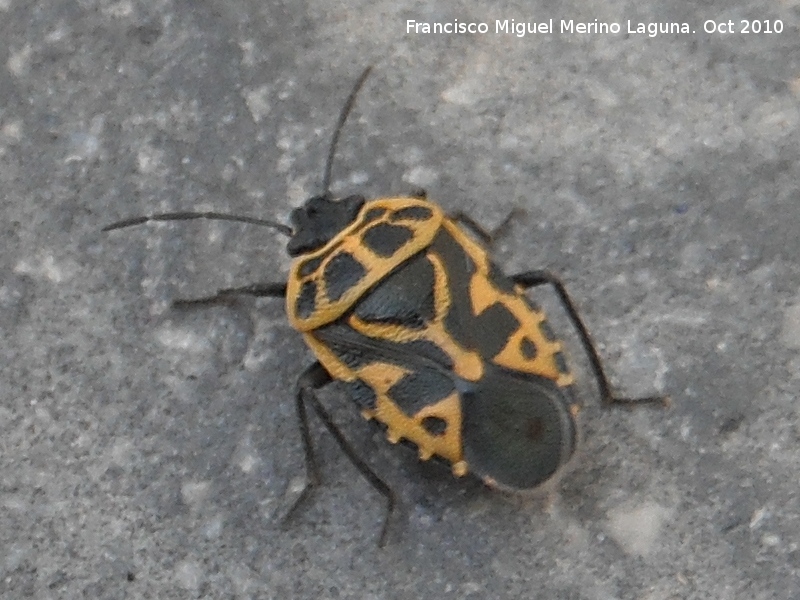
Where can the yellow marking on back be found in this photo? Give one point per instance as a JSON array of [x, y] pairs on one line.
[[380, 377], [467, 364], [349, 240], [485, 293], [400, 426]]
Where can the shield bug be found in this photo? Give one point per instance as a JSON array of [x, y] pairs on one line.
[[403, 304]]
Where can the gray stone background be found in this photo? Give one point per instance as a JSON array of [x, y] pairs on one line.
[[148, 452]]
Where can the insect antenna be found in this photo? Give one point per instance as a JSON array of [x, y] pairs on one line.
[[188, 216], [279, 227], [348, 106]]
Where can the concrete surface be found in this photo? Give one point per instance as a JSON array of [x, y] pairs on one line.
[[150, 453]]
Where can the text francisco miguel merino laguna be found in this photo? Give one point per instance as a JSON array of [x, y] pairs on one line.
[[521, 28]]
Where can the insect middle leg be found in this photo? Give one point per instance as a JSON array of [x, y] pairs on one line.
[[484, 235], [311, 380], [536, 278]]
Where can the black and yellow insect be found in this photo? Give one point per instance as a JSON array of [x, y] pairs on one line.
[[403, 304]]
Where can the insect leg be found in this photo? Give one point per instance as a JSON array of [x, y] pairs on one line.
[[312, 379], [476, 228], [487, 237], [227, 295], [531, 279]]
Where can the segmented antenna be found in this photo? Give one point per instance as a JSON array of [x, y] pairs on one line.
[[279, 227], [187, 216], [348, 106]]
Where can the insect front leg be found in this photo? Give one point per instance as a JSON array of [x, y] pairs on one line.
[[311, 380], [536, 278], [228, 295]]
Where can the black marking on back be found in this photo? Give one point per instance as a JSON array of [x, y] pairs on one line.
[[305, 303], [493, 327], [309, 266], [434, 425], [373, 214], [500, 279], [422, 387], [459, 267], [527, 348], [413, 213], [431, 351], [361, 350], [349, 346], [561, 363], [342, 273], [429, 377], [403, 298], [363, 395], [384, 239], [547, 331]]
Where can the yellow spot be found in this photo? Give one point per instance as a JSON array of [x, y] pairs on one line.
[[482, 294], [565, 379], [381, 376], [460, 468]]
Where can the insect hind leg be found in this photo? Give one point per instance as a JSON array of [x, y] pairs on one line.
[[309, 381], [536, 278]]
